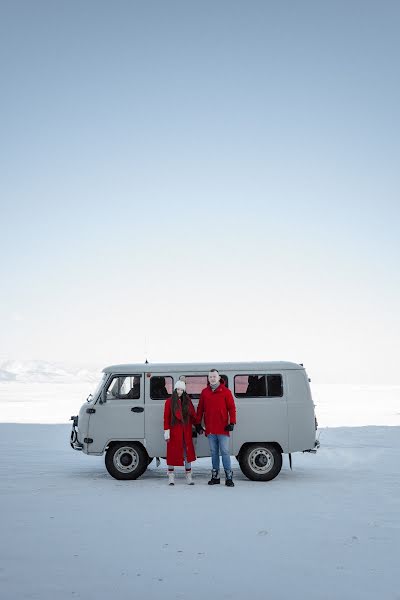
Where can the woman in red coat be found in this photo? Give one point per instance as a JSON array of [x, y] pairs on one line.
[[179, 416]]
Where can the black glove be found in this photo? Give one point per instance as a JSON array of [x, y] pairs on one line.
[[230, 427], [199, 429]]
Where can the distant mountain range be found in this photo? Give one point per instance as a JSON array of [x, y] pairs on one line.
[[41, 371]]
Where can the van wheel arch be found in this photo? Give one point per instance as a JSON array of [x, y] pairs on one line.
[[126, 460], [260, 461]]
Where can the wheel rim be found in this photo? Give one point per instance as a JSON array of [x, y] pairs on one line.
[[126, 459], [261, 460]]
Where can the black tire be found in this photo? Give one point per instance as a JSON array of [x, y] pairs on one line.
[[260, 462], [126, 460]]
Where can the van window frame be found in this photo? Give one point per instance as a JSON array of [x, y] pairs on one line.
[[116, 376], [165, 377], [266, 375]]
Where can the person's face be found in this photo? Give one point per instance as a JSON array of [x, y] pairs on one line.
[[179, 392], [213, 377]]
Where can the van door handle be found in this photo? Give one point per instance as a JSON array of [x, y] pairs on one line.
[[137, 409]]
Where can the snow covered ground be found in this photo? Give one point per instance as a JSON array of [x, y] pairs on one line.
[[329, 529]]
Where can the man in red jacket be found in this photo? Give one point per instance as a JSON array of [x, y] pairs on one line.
[[218, 407]]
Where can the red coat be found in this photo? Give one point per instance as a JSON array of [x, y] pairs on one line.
[[179, 432], [218, 408]]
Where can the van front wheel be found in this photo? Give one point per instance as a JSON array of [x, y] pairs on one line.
[[260, 462], [126, 460]]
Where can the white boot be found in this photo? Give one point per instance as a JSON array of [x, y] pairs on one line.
[[189, 479], [171, 478]]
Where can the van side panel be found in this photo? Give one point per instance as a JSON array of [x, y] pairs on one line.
[[301, 416], [258, 420], [261, 420]]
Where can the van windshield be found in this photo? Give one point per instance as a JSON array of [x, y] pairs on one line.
[[98, 387]]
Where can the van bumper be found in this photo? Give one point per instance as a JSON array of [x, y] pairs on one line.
[[74, 442], [317, 444]]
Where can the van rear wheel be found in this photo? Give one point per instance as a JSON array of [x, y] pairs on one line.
[[260, 462], [126, 460]]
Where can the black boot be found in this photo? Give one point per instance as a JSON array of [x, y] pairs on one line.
[[228, 479], [214, 478]]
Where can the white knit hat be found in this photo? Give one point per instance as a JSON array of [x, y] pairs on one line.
[[180, 385]]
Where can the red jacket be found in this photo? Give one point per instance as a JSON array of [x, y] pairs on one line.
[[218, 408], [179, 433]]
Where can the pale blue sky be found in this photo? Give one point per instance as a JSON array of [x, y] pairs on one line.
[[201, 181]]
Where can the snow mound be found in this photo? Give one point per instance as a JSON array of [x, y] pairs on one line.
[[40, 371], [7, 376]]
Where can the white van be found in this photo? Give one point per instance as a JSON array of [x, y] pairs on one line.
[[124, 416]]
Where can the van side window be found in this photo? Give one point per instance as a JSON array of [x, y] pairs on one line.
[[161, 387], [252, 386], [195, 384], [258, 386], [124, 387]]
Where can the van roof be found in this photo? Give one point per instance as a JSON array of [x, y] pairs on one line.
[[201, 367]]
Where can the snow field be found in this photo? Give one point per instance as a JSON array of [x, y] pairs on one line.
[[327, 530]]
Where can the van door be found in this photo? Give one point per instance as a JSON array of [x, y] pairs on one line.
[[119, 413], [158, 387], [301, 414]]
